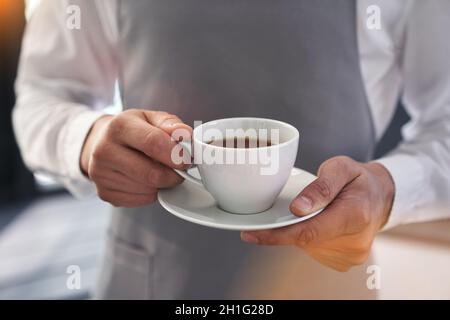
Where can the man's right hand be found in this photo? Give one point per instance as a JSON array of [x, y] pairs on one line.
[[128, 156]]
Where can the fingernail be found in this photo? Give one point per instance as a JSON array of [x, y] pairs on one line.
[[303, 204], [248, 237]]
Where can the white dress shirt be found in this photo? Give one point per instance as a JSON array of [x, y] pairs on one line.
[[75, 71]]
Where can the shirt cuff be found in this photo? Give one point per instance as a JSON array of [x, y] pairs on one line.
[[408, 175], [76, 132]]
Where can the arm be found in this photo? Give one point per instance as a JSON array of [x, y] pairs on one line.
[[358, 197], [65, 77], [420, 165]]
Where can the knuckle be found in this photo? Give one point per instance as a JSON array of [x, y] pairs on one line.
[[364, 179], [154, 142], [102, 151], [93, 172], [322, 188], [132, 111], [306, 235], [364, 218], [267, 238], [117, 125], [155, 177], [357, 221], [337, 162], [343, 160]]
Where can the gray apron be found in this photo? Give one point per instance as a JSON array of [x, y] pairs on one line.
[[292, 60]]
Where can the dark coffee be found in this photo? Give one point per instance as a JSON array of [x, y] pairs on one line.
[[241, 142]]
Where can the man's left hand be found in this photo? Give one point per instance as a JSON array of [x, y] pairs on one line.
[[357, 198]]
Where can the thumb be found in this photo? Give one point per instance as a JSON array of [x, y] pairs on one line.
[[334, 174], [170, 124]]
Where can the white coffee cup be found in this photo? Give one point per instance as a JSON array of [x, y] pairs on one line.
[[243, 180]]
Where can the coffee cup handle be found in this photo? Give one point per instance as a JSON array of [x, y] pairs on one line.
[[187, 147]]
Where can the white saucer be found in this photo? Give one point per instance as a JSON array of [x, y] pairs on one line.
[[193, 203]]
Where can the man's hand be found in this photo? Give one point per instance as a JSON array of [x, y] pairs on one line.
[[128, 156], [357, 198]]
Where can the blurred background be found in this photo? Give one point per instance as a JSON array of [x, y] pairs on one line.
[[43, 230]]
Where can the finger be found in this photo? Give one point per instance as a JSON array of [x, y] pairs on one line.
[[154, 142], [127, 200], [333, 222], [134, 165], [178, 131], [333, 176], [118, 182], [169, 123]]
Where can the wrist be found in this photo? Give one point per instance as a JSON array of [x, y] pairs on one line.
[[387, 187], [89, 142]]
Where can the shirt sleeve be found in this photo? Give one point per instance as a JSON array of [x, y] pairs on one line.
[[66, 77], [420, 165]]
